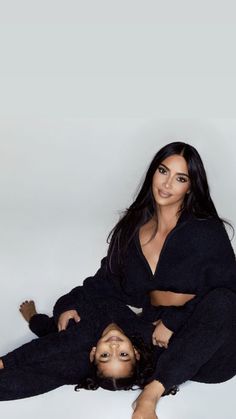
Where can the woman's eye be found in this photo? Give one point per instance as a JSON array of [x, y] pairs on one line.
[[161, 170], [105, 355], [181, 179]]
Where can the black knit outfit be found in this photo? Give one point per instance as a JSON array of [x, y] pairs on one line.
[[203, 350], [196, 258], [58, 358]]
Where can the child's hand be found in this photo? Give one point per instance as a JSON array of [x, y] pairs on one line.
[[161, 335], [145, 405], [65, 317], [144, 413]]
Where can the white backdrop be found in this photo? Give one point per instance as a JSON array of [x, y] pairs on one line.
[[88, 93]]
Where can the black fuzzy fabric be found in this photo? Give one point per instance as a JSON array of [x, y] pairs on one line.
[[196, 258], [58, 358], [203, 350]]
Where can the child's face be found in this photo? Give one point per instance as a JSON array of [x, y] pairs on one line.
[[114, 354]]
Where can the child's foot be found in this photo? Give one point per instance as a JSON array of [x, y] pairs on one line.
[[27, 309]]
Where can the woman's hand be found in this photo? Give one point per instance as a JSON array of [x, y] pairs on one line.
[[65, 317], [161, 335]]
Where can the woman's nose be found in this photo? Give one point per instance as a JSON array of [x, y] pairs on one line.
[[167, 183]]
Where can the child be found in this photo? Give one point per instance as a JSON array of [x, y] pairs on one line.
[[110, 343]]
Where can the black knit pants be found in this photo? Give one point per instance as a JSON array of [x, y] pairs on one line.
[[39, 366], [204, 349]]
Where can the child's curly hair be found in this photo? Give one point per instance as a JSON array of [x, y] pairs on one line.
[[142, 370]]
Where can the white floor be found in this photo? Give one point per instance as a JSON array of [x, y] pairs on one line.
[[24, 276], [195, 401], [53, 233]]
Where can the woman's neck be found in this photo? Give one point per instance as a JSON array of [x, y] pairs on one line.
[[167, 219]]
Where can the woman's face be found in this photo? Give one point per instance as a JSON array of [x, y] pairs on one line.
[[114, 354], [171, 181]]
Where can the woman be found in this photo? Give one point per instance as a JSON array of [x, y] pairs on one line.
[[171, 249]]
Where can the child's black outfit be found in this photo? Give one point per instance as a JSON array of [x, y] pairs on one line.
[[58, 358]]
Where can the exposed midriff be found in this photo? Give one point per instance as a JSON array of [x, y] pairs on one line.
[[169, 298]]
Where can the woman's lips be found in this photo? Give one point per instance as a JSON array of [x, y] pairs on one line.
[[164, 194]]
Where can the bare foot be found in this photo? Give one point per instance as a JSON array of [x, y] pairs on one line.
[[27, 309]]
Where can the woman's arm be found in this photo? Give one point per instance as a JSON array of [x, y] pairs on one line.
[[207, 262]]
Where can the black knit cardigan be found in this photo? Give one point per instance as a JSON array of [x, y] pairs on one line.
[[196, 258]]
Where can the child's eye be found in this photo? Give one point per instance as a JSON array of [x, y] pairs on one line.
[[161, 170], [105, 355]]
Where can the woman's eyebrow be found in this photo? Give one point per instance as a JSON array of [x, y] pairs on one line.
[[167, 168]]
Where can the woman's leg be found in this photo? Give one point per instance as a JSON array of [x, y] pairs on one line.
[[197, 351], [205, 341]]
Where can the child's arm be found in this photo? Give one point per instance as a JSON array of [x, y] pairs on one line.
[[66, 317], [102, 285], [145, 405]]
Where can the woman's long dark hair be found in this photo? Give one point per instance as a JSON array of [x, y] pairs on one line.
[[141, 372], [197, 202]]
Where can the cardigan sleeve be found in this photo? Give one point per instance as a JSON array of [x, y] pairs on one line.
[[215, 267], [103, 285], [174, 317], [74, 300]]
